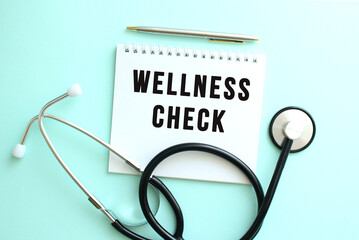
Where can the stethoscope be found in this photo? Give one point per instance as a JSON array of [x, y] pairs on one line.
[[291, 129]]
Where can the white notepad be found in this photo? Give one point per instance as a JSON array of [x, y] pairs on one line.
[[165, 96]]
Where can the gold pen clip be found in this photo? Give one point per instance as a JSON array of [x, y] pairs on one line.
[[226, 41]]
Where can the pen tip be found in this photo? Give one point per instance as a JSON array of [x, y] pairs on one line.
[[132, 28]]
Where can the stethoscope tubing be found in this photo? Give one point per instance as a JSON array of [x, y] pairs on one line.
[[157, 183], [263, 201], [147, 175], [258, 221]]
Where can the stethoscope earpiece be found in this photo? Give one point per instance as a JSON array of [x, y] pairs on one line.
[[19, 150], [295, 124], [74, 91]]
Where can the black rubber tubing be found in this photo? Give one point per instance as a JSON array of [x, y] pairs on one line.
[[263, 202], [157, 183], [257, 223]]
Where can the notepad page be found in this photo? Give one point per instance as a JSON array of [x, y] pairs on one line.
[[167, 96]]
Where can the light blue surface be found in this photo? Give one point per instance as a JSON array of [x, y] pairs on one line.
[[312, 62]]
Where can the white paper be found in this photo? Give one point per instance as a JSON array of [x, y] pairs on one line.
[[134, 135]]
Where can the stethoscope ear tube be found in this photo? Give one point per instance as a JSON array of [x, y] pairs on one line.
[[155, 182]]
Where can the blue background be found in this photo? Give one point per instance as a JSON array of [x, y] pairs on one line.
[[312, 62]]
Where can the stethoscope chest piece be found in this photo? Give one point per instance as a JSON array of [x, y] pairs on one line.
[[293, 123]]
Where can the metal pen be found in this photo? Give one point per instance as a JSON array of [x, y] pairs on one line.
[[212, 36]]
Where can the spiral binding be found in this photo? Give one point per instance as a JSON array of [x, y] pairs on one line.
[[195, 53]]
